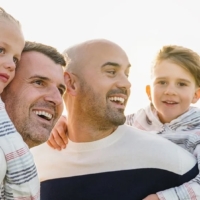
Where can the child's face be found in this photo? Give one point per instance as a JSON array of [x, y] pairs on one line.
[[11, 45], [172, 91]]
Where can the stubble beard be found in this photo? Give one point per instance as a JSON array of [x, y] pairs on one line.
[[32, 133], [100, 113]]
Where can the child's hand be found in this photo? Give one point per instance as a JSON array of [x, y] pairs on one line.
[[152, 197], [58, 137]]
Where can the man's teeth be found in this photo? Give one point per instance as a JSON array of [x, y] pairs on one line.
[[47, 115], [120, 99]]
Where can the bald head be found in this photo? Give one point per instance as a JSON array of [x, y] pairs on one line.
[[97, 88], [91, 52]]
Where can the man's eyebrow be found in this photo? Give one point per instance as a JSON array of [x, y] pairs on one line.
[[113, 64], [40, 77]]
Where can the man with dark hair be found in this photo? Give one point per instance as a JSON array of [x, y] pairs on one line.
[[33, 101]]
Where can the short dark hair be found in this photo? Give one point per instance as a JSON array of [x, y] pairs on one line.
[[47, 50]]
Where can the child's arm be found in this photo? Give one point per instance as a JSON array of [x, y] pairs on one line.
[[58, 137], [3, 168], [130, 119], [191, 189]]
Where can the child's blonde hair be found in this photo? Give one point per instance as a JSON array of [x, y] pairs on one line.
[[182, 56], [7, 16]]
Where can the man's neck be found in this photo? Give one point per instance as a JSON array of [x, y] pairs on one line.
[[83, 131]]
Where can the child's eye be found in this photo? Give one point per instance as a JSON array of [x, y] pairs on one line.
[[182, 84], [15, 60], [2, 50], [162, 82]]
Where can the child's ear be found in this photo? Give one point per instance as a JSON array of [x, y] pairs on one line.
[[196, 96], [148, 91], [70, 83]]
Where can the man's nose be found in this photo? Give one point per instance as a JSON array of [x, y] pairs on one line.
[[54, 96], [123, 82]]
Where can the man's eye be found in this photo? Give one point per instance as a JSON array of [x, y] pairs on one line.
[[127, 75], [38, 82], [111, 72], [2, 50], [61, 91]]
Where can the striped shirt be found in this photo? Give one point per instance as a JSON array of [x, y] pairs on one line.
[[18, 174], [183, 131]]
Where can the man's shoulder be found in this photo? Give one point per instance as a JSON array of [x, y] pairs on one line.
[[40, 149], [136, 132], [156, 147]]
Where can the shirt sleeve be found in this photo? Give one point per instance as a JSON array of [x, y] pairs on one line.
[[130, 119], [3, 166], [191, 189]]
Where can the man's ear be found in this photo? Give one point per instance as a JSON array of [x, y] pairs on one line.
[[196, 95], [148, 91], [70, 83]]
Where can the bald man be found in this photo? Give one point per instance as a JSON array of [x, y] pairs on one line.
[[104, 158]]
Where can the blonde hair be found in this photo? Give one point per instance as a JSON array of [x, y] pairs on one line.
[[5, 15], [182, 56]]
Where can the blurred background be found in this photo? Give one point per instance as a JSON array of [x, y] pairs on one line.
[[141, 27]]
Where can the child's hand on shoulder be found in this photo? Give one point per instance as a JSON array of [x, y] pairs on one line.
[[58, 137]]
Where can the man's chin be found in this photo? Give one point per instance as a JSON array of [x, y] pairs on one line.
[[40, 138]]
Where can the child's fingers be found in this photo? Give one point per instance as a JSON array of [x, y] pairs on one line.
[[56, 137], [53, 146], [60, 134], [61, 129], [54, 142], [152, 197]]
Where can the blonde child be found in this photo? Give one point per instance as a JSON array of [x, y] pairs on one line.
[[175, 84], [18, 175]]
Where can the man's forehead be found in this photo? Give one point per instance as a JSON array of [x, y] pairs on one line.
[[99, 45], [33, 60], [96, 53], [32, 57], [37, 63], [103, 52]]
